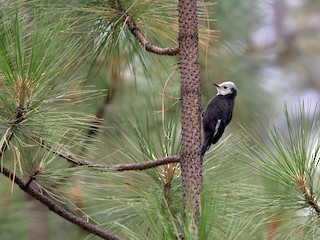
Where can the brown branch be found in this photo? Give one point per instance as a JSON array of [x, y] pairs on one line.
[[301, 183], [32, 178], [145, 43], [135, 30], [117, 167], [311, 202], [57, 209], [145, 165], [39, 196]]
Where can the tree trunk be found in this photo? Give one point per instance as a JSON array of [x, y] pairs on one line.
[[191, 165]]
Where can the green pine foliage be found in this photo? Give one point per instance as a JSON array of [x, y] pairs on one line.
[[255, 181], [286, 158]]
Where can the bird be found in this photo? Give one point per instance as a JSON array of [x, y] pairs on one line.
[[218, 114]]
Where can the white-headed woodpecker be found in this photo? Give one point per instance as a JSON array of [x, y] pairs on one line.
[[218, 114]]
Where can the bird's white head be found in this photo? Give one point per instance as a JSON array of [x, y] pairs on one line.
[[226, 88]]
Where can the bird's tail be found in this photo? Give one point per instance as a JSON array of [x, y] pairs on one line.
[[206, 143]]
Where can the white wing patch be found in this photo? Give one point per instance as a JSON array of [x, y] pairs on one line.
[[217, 127]]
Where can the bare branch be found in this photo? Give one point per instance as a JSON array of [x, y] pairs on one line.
[[145, 43], [141, 38], [57, 209], [145, 165], [118, 167]]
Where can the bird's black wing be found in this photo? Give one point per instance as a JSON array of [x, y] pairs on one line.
[[211, 115], [212, 124], [217, 116]]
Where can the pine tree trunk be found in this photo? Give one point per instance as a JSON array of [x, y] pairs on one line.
[[191, 166]]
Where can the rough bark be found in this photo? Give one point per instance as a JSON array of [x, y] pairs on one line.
[[191, 166]]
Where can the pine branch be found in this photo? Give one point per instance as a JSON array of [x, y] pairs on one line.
[[39, 196], [301, 184], [117, 167], [32, 178], [135, 30], [145, 43], [311, 202], [57, 209]]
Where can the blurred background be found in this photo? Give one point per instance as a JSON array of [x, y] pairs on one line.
[[269, 48]]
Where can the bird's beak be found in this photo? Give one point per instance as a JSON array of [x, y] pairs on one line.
[[216, 85]]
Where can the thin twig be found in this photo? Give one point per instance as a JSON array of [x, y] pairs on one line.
[[135, 30], [57, 209], [117, 167]]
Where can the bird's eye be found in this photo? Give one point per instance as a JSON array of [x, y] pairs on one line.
[[225, 87]]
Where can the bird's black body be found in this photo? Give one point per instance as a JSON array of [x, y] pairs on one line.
[[217, 116]]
